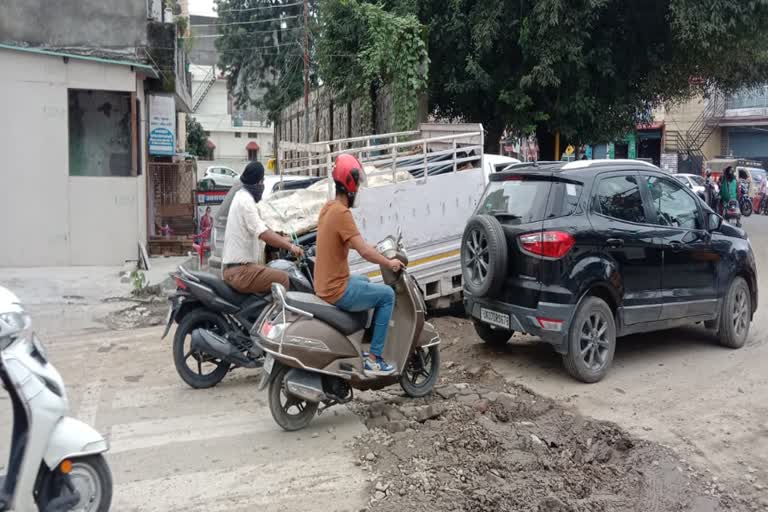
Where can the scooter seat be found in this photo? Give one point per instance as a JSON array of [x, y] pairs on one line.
[[221, 288], [344, 322]]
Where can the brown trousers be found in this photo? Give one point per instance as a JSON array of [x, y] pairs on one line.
[[253, 278]]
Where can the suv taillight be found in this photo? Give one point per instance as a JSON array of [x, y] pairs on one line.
[[551, 244]]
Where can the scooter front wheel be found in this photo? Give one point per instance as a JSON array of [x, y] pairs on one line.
[[290, 412], [92, 480], [421, 372]]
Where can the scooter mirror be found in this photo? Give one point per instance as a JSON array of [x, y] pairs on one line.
[[278, 293]]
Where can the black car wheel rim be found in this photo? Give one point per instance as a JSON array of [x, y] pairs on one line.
[[593, 342], [740, 313], [420, 367], [197, 362], [479, 259]]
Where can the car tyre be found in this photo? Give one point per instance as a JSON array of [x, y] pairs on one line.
[[495, 337], [591, 341], [735, 315], [483, 256]]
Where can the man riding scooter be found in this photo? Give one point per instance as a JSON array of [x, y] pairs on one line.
[[336, 233]]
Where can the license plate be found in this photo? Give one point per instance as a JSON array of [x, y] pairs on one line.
[[494, 318], [268, 363]]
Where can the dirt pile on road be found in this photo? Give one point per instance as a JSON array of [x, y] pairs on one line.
[[491, 445]]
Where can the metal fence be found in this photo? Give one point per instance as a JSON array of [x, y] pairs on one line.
[[171, 197]]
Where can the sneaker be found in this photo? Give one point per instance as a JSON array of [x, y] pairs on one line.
[[379, 368]]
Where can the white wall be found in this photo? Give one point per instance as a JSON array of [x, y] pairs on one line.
[[52, 219]]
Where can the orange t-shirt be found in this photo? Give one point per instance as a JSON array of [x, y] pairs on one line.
[[335, 228]]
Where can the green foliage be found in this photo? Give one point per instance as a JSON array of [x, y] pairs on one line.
[[363, 47], [196, 138], [139, 281], [591, 68], [261, 55]]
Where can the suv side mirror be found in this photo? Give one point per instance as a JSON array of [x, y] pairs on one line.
[[714, 221]]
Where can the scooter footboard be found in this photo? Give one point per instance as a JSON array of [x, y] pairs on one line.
[[72, 438]]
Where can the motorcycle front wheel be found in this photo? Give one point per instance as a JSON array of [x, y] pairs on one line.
[[91, 479], [746, 208], [288, 411]]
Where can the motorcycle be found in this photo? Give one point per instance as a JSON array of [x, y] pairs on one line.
[[314, 350], [56, 463], [216, 319], [732, 212], [763, 206], [745, 202]]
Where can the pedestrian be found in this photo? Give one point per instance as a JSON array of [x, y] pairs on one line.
[[728, 187]]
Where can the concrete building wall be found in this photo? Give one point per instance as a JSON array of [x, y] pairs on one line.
[[88, 23], [681, 117], [53, 218]]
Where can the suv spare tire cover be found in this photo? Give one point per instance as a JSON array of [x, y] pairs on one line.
[[483, 256]]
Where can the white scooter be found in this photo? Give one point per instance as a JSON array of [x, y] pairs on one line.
[[56, 462]]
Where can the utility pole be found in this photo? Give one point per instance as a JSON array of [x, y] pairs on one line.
[[306, 71]]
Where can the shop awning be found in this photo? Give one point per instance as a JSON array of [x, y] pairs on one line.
[[252, 146], [209, 144]]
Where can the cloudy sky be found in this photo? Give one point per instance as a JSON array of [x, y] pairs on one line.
[[201, 7]]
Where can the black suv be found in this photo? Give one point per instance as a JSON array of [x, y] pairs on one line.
[[580, 253]]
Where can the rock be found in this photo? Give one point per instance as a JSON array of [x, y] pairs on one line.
[[496, 480], [492, 396], [553, 504], [481, 406], [507, 401], [380, 486], [462, 386], [377, 422], [447, 392], [468, 399], [760, 487], [370, 456], [475, 371], [427, 413], [393, 413], [395, 426], [536, 440], [449, 364], [315, 435], [379, 495]]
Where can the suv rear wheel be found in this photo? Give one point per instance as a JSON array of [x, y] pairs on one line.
[[735, 315], [483, 255], [591, 341], [488, 334]]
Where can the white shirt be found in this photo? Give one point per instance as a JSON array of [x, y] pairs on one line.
[[244, 227]]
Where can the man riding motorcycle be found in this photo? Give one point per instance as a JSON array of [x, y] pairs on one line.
[[336, 233], [245, 236]]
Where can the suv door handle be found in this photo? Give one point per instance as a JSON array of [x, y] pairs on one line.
[[614, 242], [676, 246]]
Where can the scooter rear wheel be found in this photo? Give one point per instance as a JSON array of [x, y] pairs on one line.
[[421, 372], [206, 371], [289, 412]]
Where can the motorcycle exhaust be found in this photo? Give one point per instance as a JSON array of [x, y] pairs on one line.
[[305, 385], [206, 342]]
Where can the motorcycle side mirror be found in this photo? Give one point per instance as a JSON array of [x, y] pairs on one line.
[[714, 221]]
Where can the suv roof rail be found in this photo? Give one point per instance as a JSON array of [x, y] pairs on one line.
[[584, 164]]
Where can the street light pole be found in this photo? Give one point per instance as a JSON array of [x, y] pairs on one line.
[[306, 72]]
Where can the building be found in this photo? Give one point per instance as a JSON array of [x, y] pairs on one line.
[[77, 88], [235, 136]]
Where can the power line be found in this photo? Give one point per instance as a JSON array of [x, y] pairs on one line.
[[279, 45], [282, 29], [282, 6], [282, 18]]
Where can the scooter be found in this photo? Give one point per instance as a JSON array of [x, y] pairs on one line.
[[214, 321], [314, 350], [745, 202], [732, 213], [56, 462]]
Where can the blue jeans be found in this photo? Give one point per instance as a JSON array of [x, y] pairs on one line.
[[362, 295]]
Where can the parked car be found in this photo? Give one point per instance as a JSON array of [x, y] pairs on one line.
[[221, 176], [693, 182], [585, 252], [272, 184]]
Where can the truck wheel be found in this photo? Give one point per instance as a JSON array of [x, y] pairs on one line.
[[736, 315], [495, 337], [483, 255], [591, 341]]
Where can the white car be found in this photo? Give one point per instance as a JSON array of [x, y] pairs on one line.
[[497, 163], [693, 182], [221, 176]]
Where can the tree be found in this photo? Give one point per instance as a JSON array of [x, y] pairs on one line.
[[196, 139], [364, 47], [591, 69], [261, 51]]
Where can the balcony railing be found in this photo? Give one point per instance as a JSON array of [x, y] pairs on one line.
[[250, 118], [748, 98]]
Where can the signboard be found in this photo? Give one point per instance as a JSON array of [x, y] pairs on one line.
[[162, 125], [569, 150]]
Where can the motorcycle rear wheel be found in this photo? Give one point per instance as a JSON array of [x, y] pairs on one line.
[[746, 208], [215, 369], [281, 404]]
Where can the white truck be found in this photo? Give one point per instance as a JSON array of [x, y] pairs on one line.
[[425, 183]]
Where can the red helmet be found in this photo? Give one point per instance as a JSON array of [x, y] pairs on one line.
[[346, 172]]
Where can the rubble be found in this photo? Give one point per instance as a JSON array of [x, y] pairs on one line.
[[497, 446]]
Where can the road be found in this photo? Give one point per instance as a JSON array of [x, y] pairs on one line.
[[174, 448], [677, 387]]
